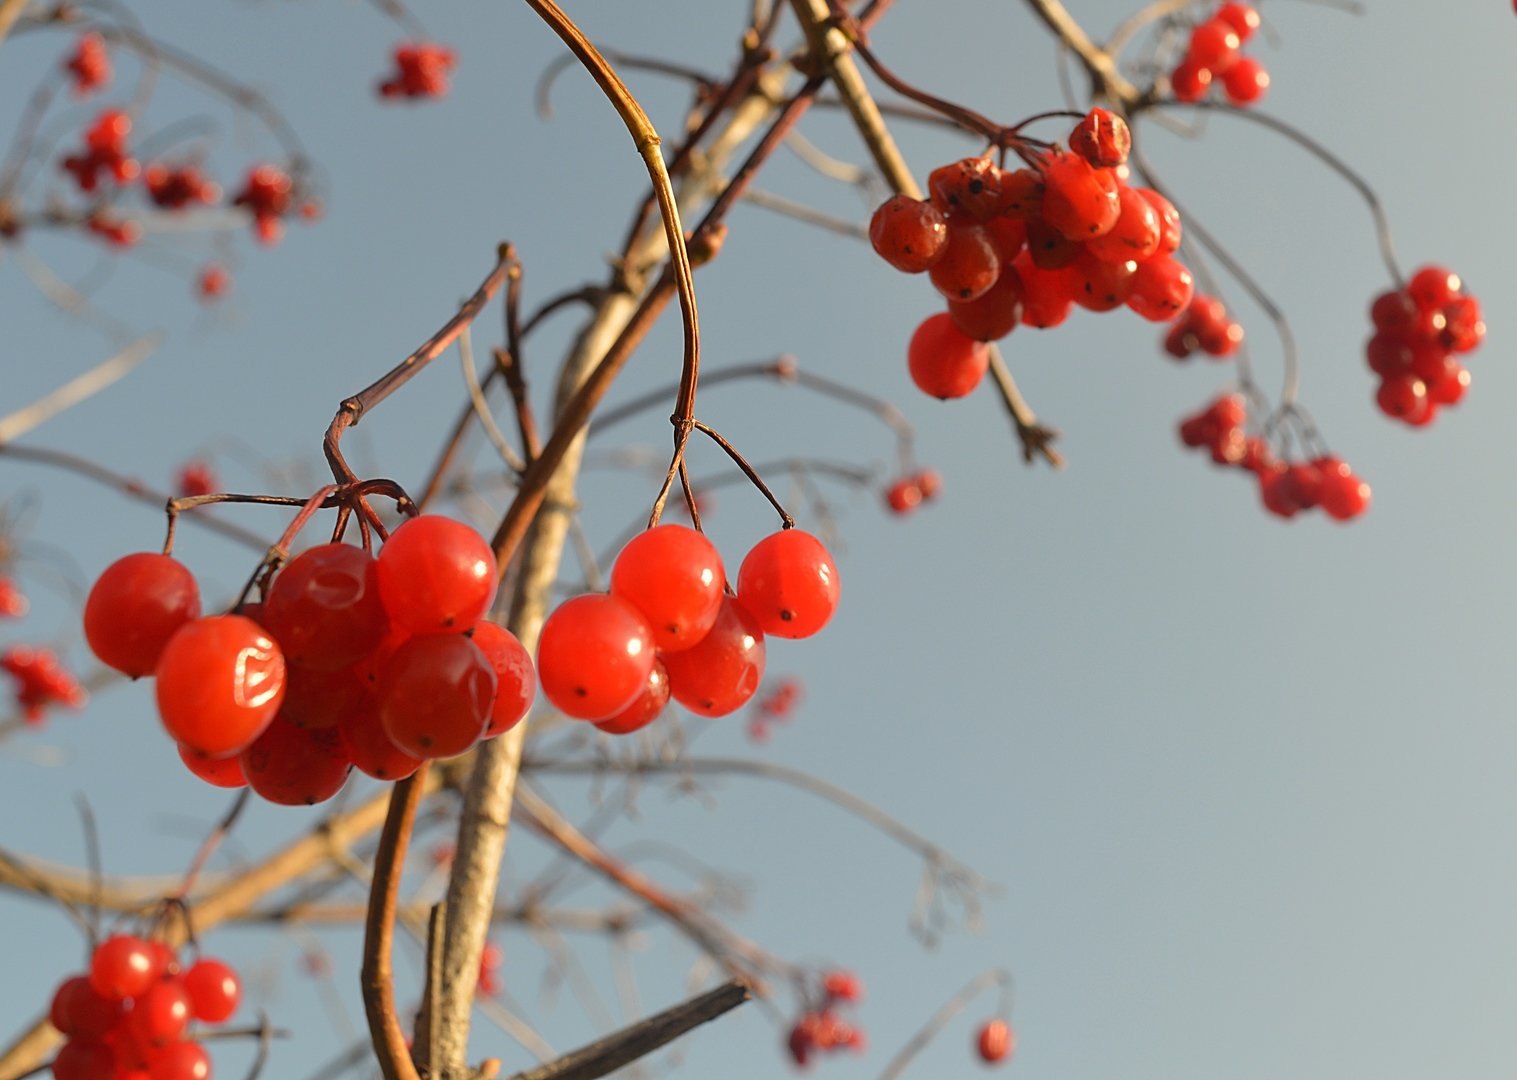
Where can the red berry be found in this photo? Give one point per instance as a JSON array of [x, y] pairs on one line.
[[1403, 397], [1214, 44], [161, 1014], [324, 608], [294, 766], [842, 986], [969, 265], [316, 699], [181, 1061], [943, 361], [789, 583], [435, 695], [1243, 18], [910, 234], [218, 772], [515, 678], [993, 315], [220, 682], [971, 187], [1022, 194], [1190, 81], [903, 496], [994, 1041], [1246, 81], [214, 990], [436, 575], [1161, 289], [930, 482], [674, 576], [720, 674], [1047, 295], [1394, 311], [645, 708], [1169, 221], [83, 1060], [1102, 285], [594, 656], [1079, 200], [1136, 233], [82, 1012], [1434, 286], [366, 744], [135, 606], [1102, 139], [1050, 249], [123, 966]]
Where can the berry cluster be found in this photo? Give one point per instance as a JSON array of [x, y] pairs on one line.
[[40, 682], [130, 1015], [349, 661], [269, 195], [1204, 326], [820, 1028], [90, 64], [669, 628], [1024, 247], [1214, 56], [1285, 487], [1420, 331], [421, 71], [995, 1041], [774, 707], [906, 493], [104, 152], [174, 187]]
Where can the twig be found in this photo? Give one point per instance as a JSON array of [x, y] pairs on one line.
[[78, 388], [376, 977]]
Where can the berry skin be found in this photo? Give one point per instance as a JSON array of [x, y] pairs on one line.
[[515, 678], [910, 234], [1169, 221], [789, 583], [214, 990], [218, 772], [1136, 233], [1190, 81], [995, 1041], [181, 1061], [365, 743], [220, 682], [993, 315], [969, 265], [82, 1012], [293, 766], [674, 576], [1102, 138], [594, 656], [1161, 289], [944, 362], [972, 187], [1047, 295], [842, 986], [1246, 81], [903, 496], [161, 1014], [1214, 45], [421, 71], [720, 674], [324, 608], [435, 695], [1433, 286], [1079, 200], [1403, 397], [436, 575], [81, 1060], [1102, 285], [1243, 18], [135, 607], [645, 708], [123, 966]]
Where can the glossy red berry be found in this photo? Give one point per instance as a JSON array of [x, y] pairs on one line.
[[515, 677], [969, 265], [1136, 233], [220, 682], [324, 608], [723, 671], [369, 747], [123, 966], [594, 656], [1190, 80], [903, 496], [994, 1041], [436, 575], [81, 1012], [645, 708], [943, 361], [83, 1060], [316, 699], [218, 772], [1243, 18], [214, 990], [1047, 295], [435, 695], [789, 583], [1102, 138], [674, 576], [1434, 286], [293, 766], [161, 1014], [181, 1061], [1403, 397], [1214, 44], [910, 234], [971, 187], [135, 606], [1161, 289], [1079, 200], [993, 315], [1246, 81]]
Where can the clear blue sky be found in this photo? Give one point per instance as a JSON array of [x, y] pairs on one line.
[[1246, 785]]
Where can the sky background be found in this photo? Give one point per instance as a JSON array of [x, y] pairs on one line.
[[1246, 785]]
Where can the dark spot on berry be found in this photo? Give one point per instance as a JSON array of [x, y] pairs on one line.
[[786, 614]]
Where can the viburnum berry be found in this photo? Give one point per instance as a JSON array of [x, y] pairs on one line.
[[324, 608], [674, 576], [436, 575], [173, 187], [515, 677], [212, 282], [1246, 81], [316, 699], [969, 265], [104, 152], [1049, 248], [41, 682], [970, 187], [421, 71], [13, 602], [81, 1012], [943, 361], [645, 708], [267, 194], [1243, 18], [1136, 233], [1101, 285], [1161, 289], [994, 1041], [1047, 295], [195, 477], [161, 1014], [218, 772], [123, 966], [181, 1061], [90, 64], [1190, 80], [1214, 44], [594, 656], [930, 483], [293, 766], [1079, 200], [214, 990], [136, 604], [721, 672], [903, 496], [370, 748], [789, 583], [1102, 138], [842, 986], [220, 682], [993, 315], [1169, 221], [435, 695], [910, 234], [81, 1060]]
